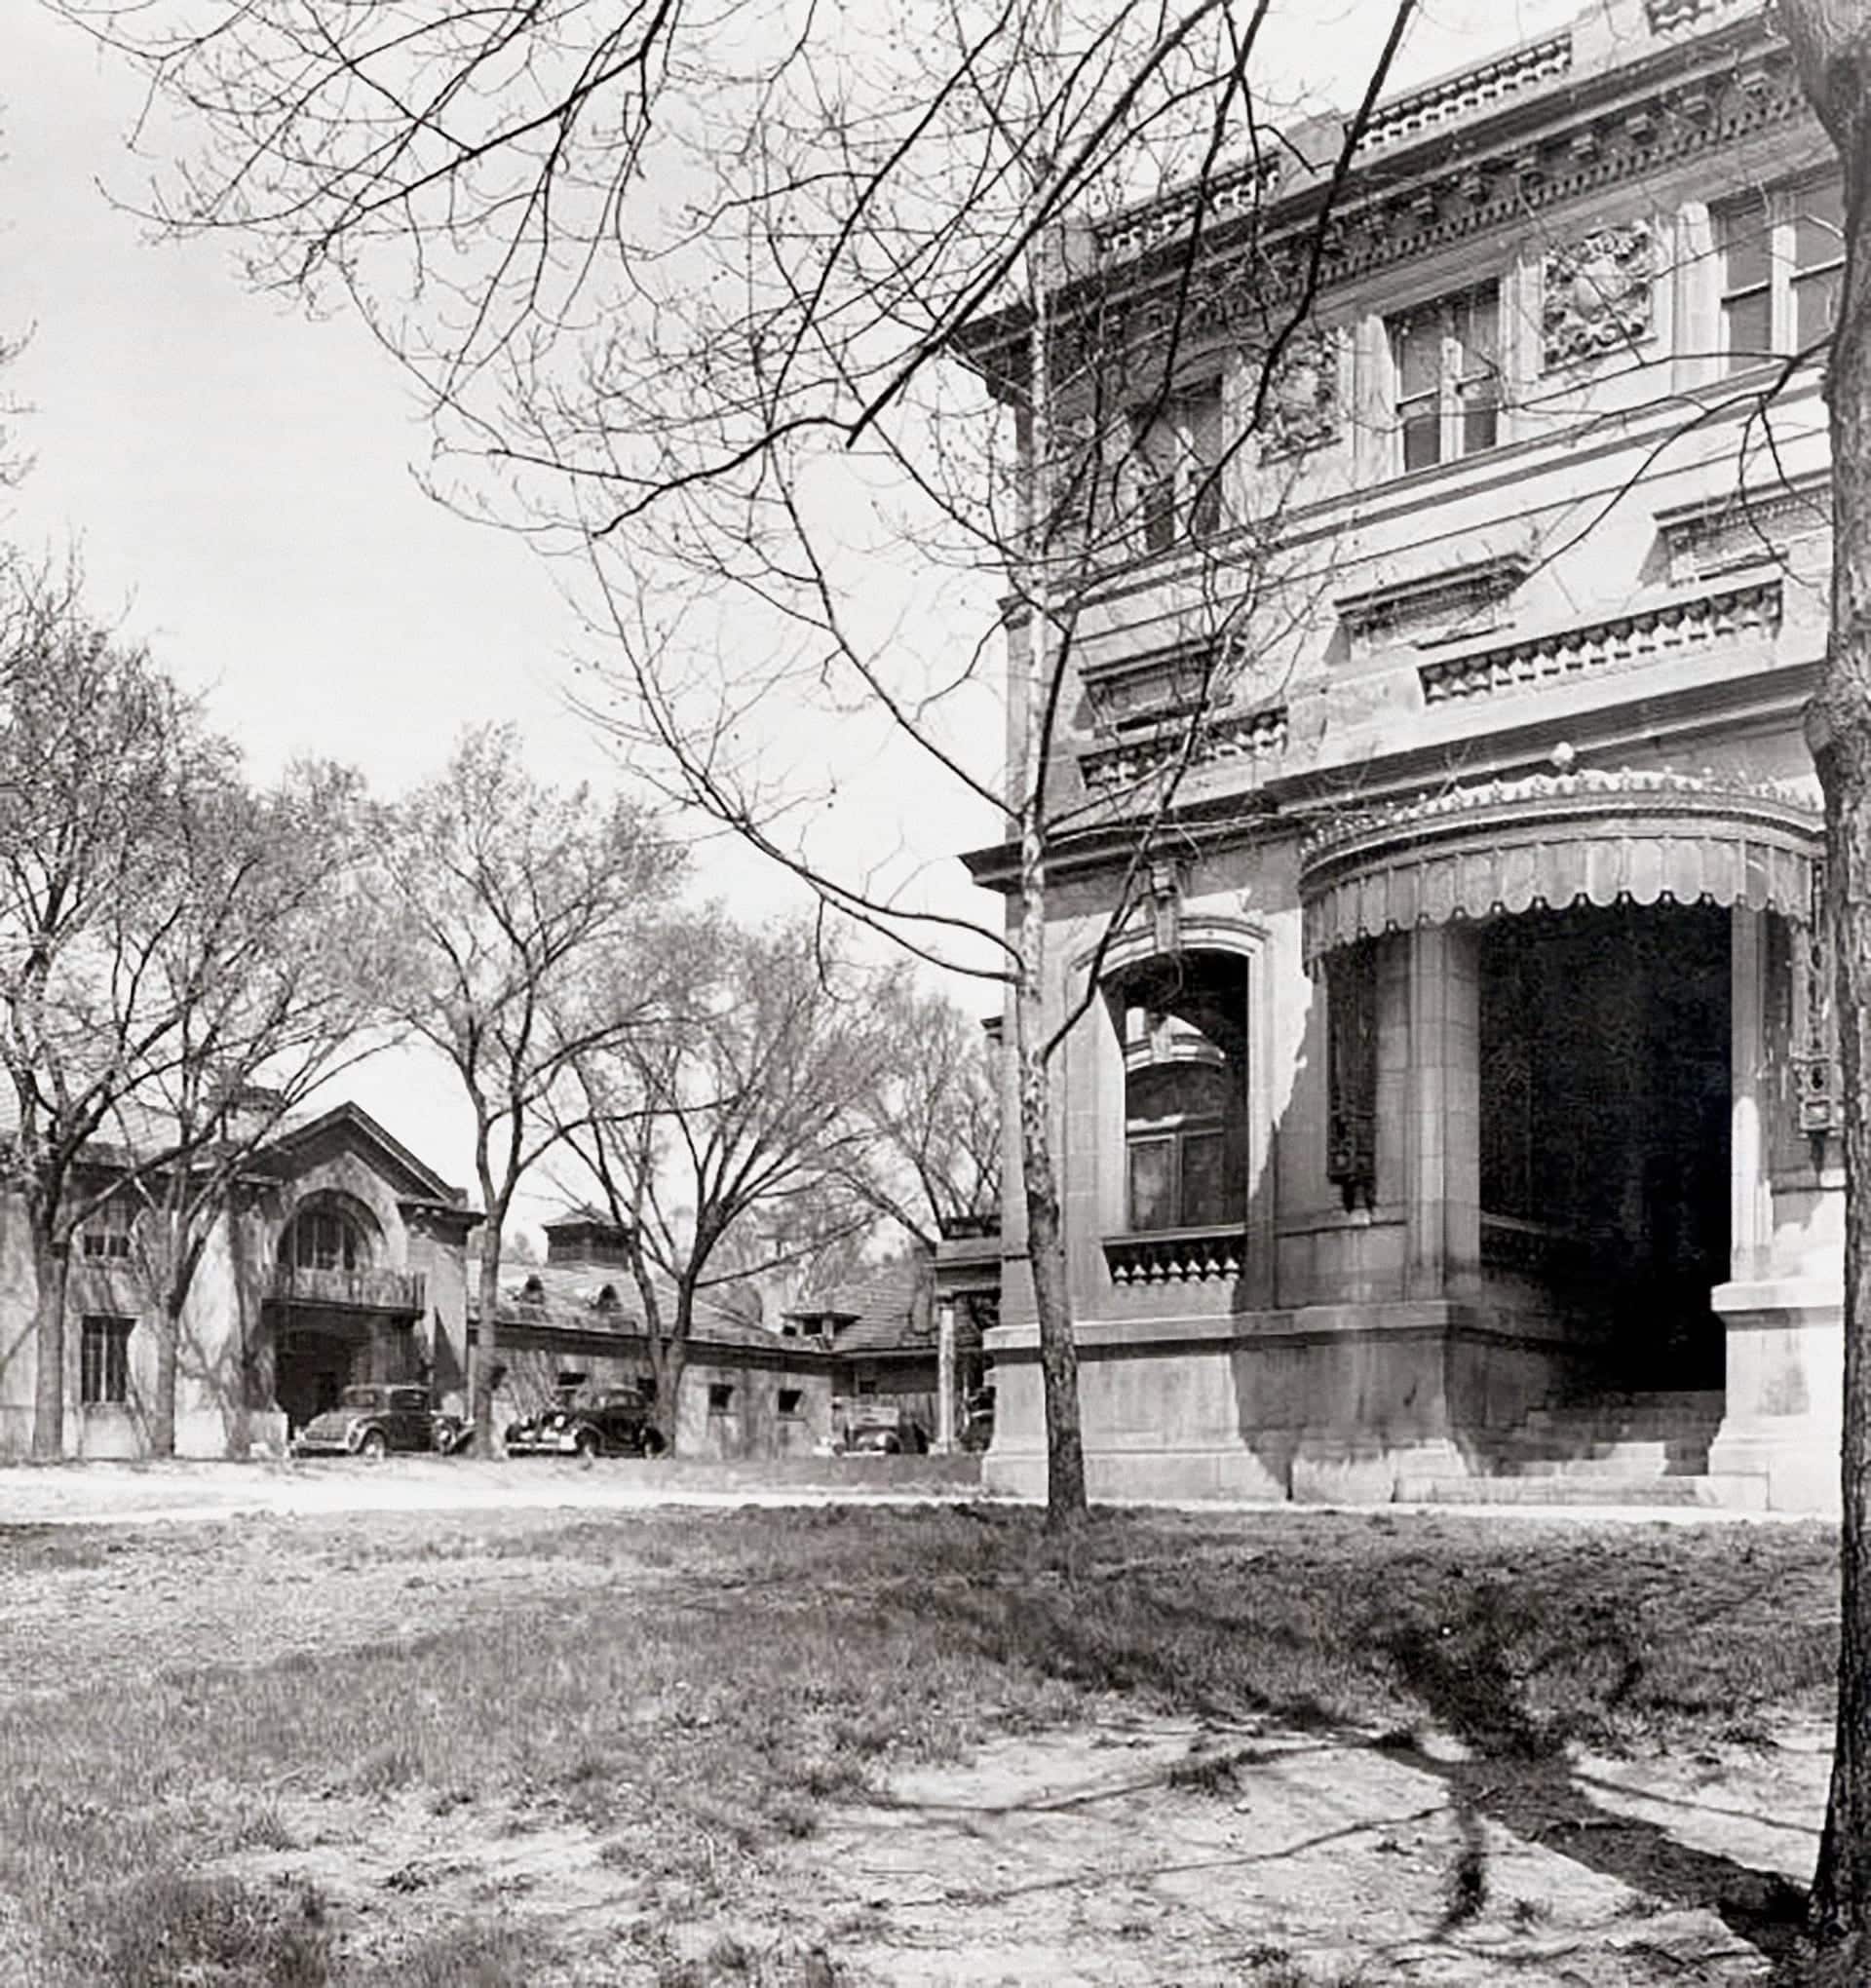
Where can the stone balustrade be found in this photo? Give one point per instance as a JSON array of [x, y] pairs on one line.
[[1174, 1255], [1668, 629]]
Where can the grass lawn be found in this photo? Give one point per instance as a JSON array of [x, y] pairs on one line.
[[202, 1727]]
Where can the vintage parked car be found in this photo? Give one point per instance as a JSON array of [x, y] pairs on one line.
[[372, 1421], [611, 1421]]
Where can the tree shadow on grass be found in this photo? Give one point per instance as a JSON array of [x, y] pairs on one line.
[[1484, 1669], [1517, 1775]]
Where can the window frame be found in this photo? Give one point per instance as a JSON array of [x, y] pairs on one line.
[[103, 1359], [720, 1397], [1192, 512], [1452, 399], [1148, 1045], [1783, 206]]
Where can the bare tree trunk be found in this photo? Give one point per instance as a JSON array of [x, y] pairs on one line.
[[670, 1365], [52, 1268], [1832, 44], [1065, 1503], [485, 1362], [162, 1408]]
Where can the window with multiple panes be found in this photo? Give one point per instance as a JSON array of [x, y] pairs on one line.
[[1184, 1031], [1781, 256], [1446, 355], [323, 1239], [104, 1361], [1179, 450]]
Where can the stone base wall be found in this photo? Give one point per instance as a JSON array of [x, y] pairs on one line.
[[1325, 1402], [1778, 1449]]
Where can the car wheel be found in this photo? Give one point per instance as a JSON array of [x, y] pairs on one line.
[[649, 1444], [587, 1444], [375, 1445]]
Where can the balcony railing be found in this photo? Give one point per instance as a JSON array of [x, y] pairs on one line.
[[1174, 1255], [348, 1290]]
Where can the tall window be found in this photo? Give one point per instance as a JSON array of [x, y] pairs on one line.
[[1184, 1028], [1782, 265], [1447, 360], [104, 1361], [324, 1239], [1179, 452]]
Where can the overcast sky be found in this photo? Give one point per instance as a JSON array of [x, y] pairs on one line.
[[239, 480]]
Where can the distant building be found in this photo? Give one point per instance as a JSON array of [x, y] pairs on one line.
[[576, 1321], [347, 1261], [1460, 1096], [906, 1341]]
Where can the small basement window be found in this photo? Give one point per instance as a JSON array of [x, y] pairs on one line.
[[791, 1399], [720, 1396]]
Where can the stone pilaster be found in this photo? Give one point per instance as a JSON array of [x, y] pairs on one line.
[[1443, 1122]]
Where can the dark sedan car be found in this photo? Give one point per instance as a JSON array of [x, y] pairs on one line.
[[612, 1422], [372, 1421]]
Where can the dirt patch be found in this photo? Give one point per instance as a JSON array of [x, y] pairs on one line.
[[1165, 1850]]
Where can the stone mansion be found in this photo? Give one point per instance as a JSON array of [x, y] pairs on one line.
[[1456, 1098]]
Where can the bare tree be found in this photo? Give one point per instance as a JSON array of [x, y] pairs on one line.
[[934, 1155], [723, 1140], [512, 911], [97, 757], [1831, 42], [268, 970]]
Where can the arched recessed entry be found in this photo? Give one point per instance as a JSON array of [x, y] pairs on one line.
[[339, 1317], [1185, 1099]]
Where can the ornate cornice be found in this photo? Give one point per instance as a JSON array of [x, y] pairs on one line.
[[1739, 528], [1489, 165], [1450, 596]]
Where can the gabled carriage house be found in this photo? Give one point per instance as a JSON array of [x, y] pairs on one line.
[[342, 1260], [1458, 1098]]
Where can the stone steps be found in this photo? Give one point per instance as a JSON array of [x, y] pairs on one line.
[[1620, 1449], [1556, 1491]]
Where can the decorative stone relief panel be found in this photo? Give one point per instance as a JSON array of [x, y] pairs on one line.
[[1301, 411], [1598, 294]]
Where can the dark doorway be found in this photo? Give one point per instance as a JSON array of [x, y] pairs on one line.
[[1605, 1092], [321, 1353]]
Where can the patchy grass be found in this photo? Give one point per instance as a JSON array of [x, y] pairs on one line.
[[717, 1679]]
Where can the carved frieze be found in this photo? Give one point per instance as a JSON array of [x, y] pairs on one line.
[[1598, 294], [1249, 735]]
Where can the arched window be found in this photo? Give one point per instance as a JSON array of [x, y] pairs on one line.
[[1183, 1023], [325, 1237]]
